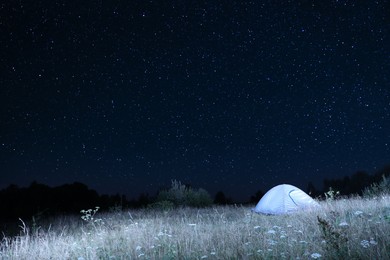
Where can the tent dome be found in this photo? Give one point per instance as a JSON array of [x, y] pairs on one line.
[[284, 199]]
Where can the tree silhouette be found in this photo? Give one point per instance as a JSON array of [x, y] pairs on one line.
[[221, 199], [255, 198], [311, 190]]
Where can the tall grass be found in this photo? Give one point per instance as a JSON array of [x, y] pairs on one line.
[[355, 228]]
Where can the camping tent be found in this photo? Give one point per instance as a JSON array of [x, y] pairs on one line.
[[284, 199]]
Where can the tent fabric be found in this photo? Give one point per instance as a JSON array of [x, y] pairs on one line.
[[284, 199]]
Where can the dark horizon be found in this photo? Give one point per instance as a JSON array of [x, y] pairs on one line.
[[364, 180]]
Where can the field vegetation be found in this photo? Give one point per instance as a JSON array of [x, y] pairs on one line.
[[353, 228], [183, 224]]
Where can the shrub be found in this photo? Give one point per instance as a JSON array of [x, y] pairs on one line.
[[180, 195], [164, 205], [198, 198]]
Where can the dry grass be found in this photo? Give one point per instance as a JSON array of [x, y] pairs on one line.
[[355, 228]]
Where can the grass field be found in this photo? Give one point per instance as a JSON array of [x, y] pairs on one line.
[[352, 228]]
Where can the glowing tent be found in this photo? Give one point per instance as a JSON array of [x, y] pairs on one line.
[[284, 199]]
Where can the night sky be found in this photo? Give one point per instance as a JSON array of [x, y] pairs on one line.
[[236, 96]]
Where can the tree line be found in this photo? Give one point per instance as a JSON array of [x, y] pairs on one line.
[[42, 200], [356, 184]]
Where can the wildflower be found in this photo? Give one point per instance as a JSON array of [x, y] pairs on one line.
[[364, 243], [138, 248], [163, 234], [213, 253], [358, 212], [192, 225], [271, 231], [204, 257], [256, 227], [271, 242], [315, 255], [343, 224], [373, 242]]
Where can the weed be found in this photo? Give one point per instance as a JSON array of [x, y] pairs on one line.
[[335, 241], [89, 216], [378, 189], [331, 194]]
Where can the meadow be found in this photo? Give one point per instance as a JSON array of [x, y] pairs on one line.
[[353, 228]]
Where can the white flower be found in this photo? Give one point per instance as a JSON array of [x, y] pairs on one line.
[[373, 242], [358, 212], [203, 257], [271, 231], [256, 227], [138, 248], [315, 255], [364, 243], [343, 224], [271, 242]]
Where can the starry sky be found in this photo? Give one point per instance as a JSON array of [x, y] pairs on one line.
[[236, 96]]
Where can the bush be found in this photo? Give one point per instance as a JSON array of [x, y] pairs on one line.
[[199, 198], [164, 205], [180, 195]]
